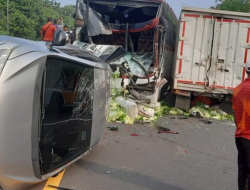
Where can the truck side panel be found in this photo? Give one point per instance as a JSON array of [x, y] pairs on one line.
[[211, 52], [229, 54], [194, 47]]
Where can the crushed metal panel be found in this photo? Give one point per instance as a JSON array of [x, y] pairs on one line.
[[96, 25], [104, 52], [116, 55]]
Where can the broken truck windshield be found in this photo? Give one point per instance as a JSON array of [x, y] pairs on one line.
[[126, 13], [103, 17]]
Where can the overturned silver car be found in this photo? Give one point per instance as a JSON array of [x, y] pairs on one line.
[[49, 96]]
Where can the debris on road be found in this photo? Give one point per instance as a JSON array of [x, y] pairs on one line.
[[59, 188], [130, 106], [204, 111], [178, 117], [165, 130], [108, 172], [183, 118], [206, 121], [113, 128], [129, 112], [134, 135], [170, 132], [181, 150]]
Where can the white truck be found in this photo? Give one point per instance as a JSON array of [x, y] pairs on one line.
[[212, 48]]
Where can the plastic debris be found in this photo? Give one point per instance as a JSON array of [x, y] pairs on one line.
[[145, 111], [130, 107]]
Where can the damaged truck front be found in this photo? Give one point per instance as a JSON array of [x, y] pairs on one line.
[[135, 37]]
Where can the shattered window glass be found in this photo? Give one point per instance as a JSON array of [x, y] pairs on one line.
[[138, 64], [96, 24], [68, 107]]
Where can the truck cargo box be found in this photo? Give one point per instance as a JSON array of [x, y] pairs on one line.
[[212, 49]]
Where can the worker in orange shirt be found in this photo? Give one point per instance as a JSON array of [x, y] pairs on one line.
[[241, 107], [48, 30]]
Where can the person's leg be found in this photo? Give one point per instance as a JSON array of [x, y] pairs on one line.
[[242, 164], [246, 144]]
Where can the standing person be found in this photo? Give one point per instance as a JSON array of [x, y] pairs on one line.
[[72, 34], [55, 23], [241, 107], [48, 30], [60, 23], [66, 30]]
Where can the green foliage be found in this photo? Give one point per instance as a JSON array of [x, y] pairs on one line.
[[234, 5], [3, 23], [26, 17]]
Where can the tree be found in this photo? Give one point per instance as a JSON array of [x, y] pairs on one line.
[[21, 19], [234, 5], [3, 20], [28, 16], [68, 12]]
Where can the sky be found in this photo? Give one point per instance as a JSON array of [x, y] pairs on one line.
[[175, 4]]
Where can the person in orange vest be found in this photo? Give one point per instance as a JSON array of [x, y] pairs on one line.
[[48, 30], [241, 107]]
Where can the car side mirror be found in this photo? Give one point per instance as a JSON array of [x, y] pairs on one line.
[[59, 38]]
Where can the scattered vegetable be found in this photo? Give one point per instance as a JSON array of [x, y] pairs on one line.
[[210, 112], [116, 74], [173, 112], [128, 120], [117, 113], [161, 111]]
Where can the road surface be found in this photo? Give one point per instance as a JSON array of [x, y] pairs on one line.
[[201, 157]]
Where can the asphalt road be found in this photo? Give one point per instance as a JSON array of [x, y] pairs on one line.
[[201, 157]]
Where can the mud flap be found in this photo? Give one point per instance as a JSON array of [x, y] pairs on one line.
[[182, 102], [226, 107]]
